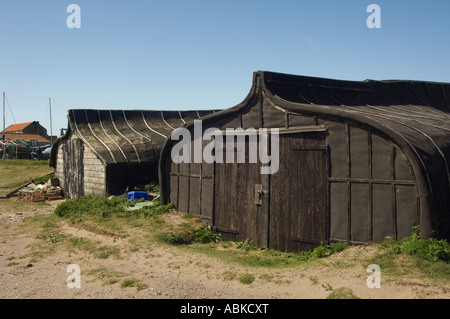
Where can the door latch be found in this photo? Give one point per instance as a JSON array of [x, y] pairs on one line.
[[259, 192]]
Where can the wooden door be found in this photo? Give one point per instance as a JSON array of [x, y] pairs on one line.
[[236, 215], [299, 215]]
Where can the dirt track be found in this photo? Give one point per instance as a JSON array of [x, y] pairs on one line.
[[170, 272]]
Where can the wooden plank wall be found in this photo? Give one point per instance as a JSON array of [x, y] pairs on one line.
[[69, 167], [372, 190], [373, 193], [94, 174]]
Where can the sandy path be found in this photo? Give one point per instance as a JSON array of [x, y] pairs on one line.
[[165, 272]]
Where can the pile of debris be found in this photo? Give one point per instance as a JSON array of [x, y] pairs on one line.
[[36, 193]]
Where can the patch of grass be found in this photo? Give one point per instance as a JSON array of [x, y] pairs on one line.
[[174, 229], [342, 293], [49, 225], [53, 238], [156, 209], [414, 257], [248, 254], [12, 264], [314, 280], [327, 287], [88, 205], [108, 216], [397, 266], [42, 179], [39, 252], [229, 275], [105, 252], [321, 251], [105, 273], [133, 283], [128, 283], [206, 235], [46, 229], [141, 286], [246, 279], [13, 205], [246, 245], [188, 233], [429, 249], [110, 281], [93, 227], [266, 277], [45, 222], [79, 241], [175, 238], [16, 173], [153, 187]]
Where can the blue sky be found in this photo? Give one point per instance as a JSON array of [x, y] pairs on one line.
[[200, 54]]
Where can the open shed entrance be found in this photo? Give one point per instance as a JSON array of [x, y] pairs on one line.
[[287, 210], [124, 177]]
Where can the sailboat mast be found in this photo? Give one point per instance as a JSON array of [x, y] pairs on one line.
[[4, 122], [51, 127]]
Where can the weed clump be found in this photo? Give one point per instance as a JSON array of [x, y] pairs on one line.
[[246, 245], [53, 238], [249, 254], [99, 206], [157, 209], [321, 251], [175, 238], [105, 207], [246, 279], [342, 293], [187, 234], [428, 249], [153, 187], [206, 235]]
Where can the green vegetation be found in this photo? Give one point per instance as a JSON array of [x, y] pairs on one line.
[[156, 209], [12, 205], [188, 233], [17, 172], [110, 216], [42, 179], [53, 238], [248, 254], [109, 277], [206, 235], [153, 187], [97, 206], [428, 249], [246, 245], [246, 279], [412, 257], [424, 258], [342, 293], [128, 283], [104, 252], [133, 283]]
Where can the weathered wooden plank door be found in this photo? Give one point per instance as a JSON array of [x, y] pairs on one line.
[[236, 216], [299, 215], [291, 211]]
